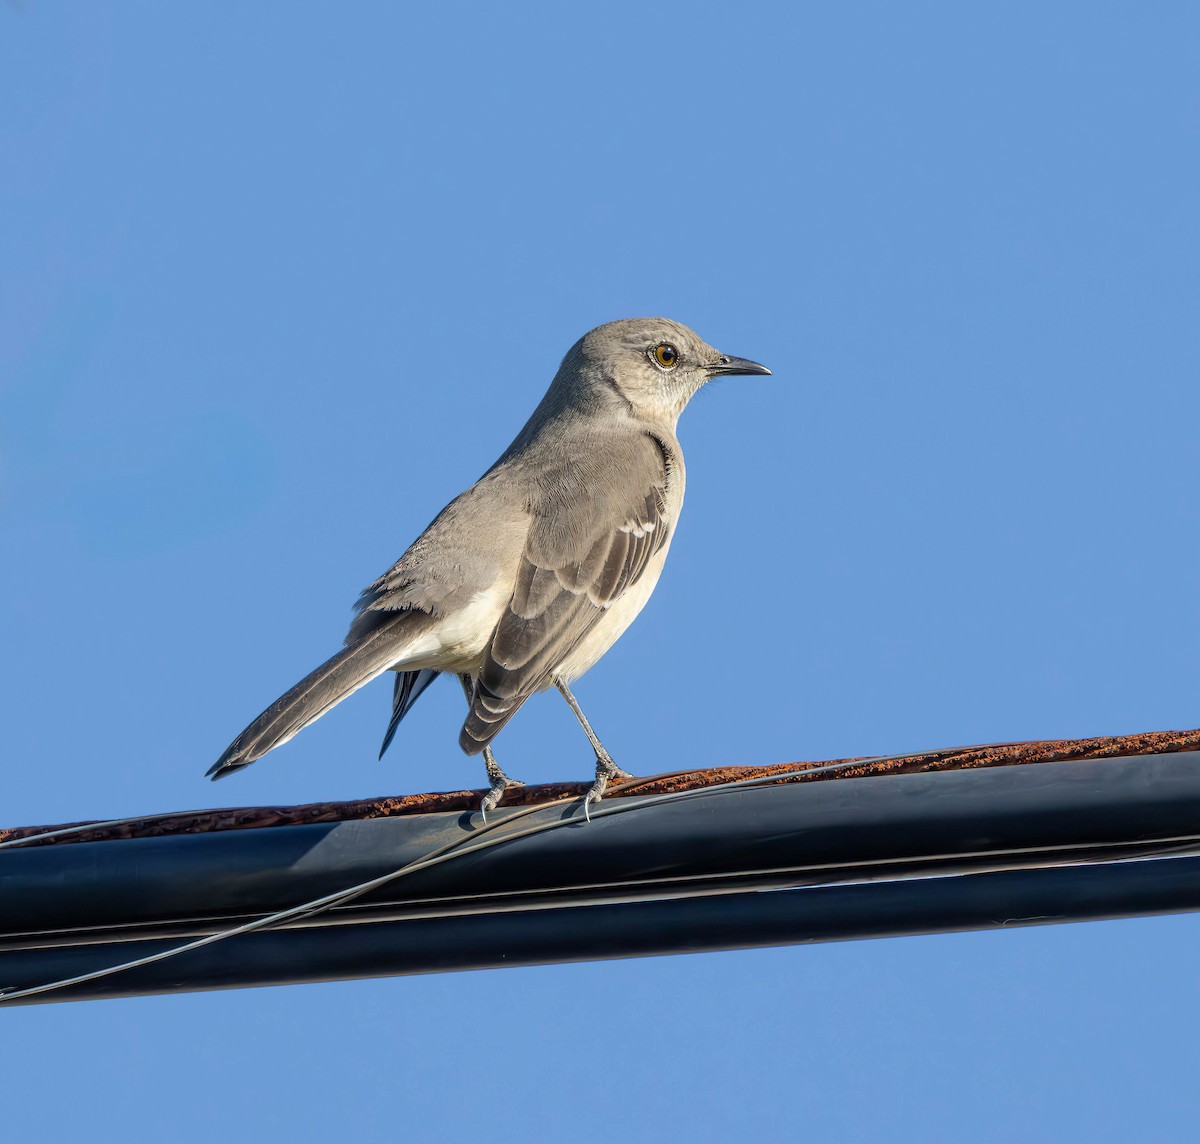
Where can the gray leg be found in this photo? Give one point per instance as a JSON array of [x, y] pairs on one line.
[[498, 779], [606, 769]]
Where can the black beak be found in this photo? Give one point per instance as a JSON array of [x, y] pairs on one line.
[[725, 366]]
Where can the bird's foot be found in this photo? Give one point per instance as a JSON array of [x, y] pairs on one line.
[[500, 783], [606, 771]]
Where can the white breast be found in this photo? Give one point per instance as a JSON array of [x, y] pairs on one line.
[[617, 617]]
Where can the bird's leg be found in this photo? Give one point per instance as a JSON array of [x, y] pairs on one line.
[[606, 769], [499, 780], [496, 777]]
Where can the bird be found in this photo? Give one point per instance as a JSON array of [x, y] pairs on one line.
[[527, 578]]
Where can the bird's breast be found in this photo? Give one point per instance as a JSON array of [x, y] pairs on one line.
[[617, 617]]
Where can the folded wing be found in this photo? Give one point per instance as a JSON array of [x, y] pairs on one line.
[[578, 560]]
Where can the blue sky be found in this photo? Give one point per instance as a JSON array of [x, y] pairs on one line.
[[278, 280]]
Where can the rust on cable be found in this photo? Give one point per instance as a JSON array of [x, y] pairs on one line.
[[388, 806]]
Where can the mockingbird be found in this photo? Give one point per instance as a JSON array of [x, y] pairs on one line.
[[525, 580]]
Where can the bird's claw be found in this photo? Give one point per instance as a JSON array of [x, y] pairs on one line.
[[490, 801], [500, 783], [606, 772]]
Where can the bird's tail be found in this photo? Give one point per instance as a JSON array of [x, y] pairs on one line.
[[407, 690], [321, 690]]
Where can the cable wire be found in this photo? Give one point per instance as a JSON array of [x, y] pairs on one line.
[[455, 849], [105, 824], [82, 828], [498, 831]]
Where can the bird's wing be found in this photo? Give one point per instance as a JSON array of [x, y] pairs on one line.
[[587, 545], [469, 547]]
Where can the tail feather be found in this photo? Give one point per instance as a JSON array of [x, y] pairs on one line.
[[321, 690], [407, 690]]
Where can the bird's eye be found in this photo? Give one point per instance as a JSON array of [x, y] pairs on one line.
[[666, 355]]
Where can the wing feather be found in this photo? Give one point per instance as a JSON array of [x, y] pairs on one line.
[[563, 588]]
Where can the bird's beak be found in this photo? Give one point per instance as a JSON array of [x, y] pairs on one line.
[[725, 366]]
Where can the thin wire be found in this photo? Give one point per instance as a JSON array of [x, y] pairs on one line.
[[82, 828], [105, 824], [305, 909], [455, 849]]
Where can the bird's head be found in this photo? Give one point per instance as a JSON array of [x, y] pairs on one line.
[[654, 364]]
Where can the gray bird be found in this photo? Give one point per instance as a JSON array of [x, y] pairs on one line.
[[525, 580]]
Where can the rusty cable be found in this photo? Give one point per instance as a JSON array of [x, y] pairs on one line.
[[455, 849]]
